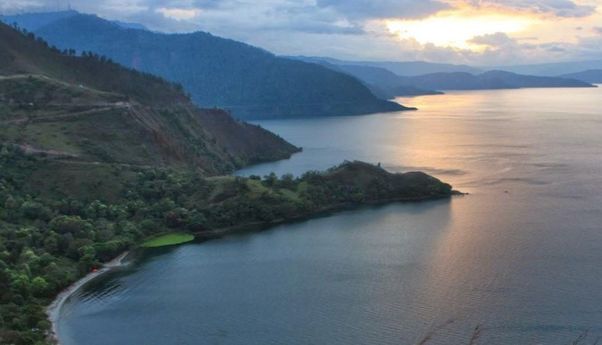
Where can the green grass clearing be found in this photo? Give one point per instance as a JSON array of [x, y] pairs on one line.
[[168, 240]]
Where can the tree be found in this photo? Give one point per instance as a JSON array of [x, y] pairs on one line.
[[39, 286]]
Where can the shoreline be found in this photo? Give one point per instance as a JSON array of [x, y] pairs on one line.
[[322, 212], [54, 309]]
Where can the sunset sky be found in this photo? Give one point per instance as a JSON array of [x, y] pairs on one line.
[[484, 32]]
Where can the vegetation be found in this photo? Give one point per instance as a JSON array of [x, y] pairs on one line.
[[58, 222], [248, 81], [91, 109], [94, 159], [167, 240]]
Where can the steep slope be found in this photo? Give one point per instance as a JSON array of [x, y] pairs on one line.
[[250, 82], [593, 76], [91, 109]]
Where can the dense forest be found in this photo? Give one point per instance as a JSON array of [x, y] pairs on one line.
[[217, 72]]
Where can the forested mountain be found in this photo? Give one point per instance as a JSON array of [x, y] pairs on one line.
[[593, 76], [250, 82], [90, 109]]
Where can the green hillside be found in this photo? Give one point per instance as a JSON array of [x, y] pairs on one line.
[[91, 109]]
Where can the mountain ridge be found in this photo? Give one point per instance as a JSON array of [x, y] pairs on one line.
[[217, 72]]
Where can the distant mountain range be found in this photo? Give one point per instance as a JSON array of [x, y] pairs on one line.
[[554, 69], [250, 82], [382, 82], [35, 21], [387, 84], [489, 80], [593, 76]]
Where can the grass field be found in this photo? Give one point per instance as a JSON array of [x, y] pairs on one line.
[[168, 240]]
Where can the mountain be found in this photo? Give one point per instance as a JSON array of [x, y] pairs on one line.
[[387, 84], [554, 69], [382, 82], [218, 72], [404, 68], [34, 21], [593, 76], [89, 109], [391, 79], [488, 80]]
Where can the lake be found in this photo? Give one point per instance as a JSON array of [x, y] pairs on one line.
[[518, 261]]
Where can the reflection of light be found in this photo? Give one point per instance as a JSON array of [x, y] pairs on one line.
[[454, 30]]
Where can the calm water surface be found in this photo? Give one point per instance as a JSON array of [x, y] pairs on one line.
[[520, 258]]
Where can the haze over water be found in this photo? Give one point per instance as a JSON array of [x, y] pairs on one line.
[[521, 256]]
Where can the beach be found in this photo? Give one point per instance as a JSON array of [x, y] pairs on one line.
[[54, 309]]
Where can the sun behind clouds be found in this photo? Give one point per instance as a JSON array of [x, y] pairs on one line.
[[456, 30]]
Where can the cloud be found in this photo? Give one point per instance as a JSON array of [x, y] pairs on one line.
[[8, 6], [498, 39], [559, 8], [369, 9], [357, 29], [179, 13]]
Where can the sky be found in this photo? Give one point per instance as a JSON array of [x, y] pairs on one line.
[[477, 32]]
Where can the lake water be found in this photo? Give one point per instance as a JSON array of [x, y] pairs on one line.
[[520, 257]]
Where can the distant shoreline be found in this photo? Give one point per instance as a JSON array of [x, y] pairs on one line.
[[54, 309]]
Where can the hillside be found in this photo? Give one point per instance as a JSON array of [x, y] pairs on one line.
[[593, 76], [217, 72], [91, 109]]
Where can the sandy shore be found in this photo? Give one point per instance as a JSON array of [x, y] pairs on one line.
[[54, 309]]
